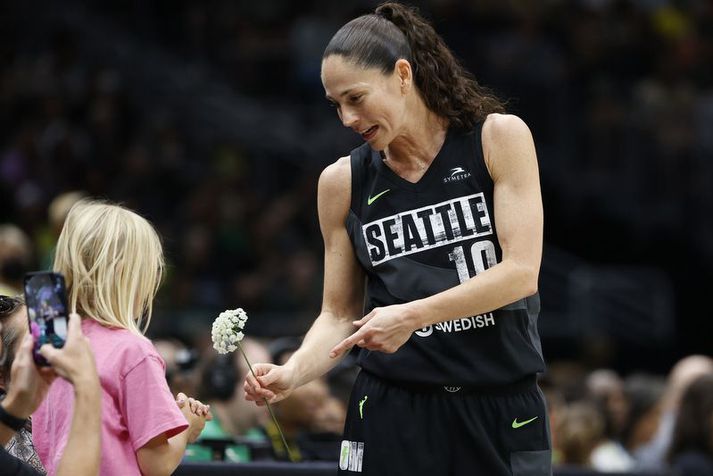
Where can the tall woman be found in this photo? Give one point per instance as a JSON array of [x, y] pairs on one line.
[[433, 241]]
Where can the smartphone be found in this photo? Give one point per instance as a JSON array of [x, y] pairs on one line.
[[46, 300]]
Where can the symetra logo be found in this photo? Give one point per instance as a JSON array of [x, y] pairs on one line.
[[457, 174], [371, 200]]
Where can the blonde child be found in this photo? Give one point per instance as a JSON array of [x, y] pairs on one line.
[[112, 261]]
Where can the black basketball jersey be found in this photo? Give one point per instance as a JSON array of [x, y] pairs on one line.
[[417, 239]]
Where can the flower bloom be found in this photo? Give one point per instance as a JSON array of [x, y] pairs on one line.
[[227, 330]]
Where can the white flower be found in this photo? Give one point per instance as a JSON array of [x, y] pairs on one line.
[[226, 331]]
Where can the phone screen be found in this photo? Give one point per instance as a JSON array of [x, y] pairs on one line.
[[46, 300]]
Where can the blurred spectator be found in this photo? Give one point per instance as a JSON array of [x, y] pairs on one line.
[[610, 456], [342, 377], [568, 377], [59, 209], [332, 413], [308, 418], [56, 213], [180, 364], [312, 418], [580, 429], [13, 322], [606, 389], [329, 421], [653, 455], [691, 452], [281, 349], [15, 258], [234, 418], [644, 395]]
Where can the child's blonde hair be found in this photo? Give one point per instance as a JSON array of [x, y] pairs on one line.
[[112, 262]]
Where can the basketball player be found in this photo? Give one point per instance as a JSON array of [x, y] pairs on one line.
[[434, 225]]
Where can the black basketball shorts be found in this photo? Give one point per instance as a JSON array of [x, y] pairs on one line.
[[396, 429]]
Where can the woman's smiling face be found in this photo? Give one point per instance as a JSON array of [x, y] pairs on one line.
[[371, 103]]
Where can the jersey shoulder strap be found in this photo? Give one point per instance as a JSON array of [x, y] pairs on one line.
[[360, 163]]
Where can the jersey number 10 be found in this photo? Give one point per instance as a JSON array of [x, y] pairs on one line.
[[482, 254]]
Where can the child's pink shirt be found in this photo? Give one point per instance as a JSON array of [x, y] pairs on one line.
[[137, 404]]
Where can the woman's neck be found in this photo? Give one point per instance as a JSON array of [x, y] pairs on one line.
[[420, 140]]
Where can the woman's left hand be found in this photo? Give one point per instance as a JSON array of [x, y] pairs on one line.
[[384, 329]]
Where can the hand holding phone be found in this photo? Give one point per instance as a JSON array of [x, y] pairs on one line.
[[46, 300]]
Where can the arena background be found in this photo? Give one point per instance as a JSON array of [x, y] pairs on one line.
[[209, 118]]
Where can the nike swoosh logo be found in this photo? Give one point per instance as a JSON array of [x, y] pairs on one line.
[[517, 424], [371, 200]]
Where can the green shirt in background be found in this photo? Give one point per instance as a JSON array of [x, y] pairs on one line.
[[213, 438]]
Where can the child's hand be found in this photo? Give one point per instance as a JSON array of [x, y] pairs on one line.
[[196, 413], [196, 406]]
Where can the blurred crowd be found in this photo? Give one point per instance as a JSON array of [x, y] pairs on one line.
[[599, 420], [231, 235], [619, 94], [640, 422]]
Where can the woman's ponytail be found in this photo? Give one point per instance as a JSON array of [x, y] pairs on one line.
[[446, 87]]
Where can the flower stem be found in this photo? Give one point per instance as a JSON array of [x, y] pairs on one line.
[[269, 408]]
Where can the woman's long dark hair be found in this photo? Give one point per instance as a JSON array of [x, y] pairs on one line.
[[693, 430], [395, 32]]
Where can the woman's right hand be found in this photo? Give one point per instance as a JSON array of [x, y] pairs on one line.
[[273, 383]]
